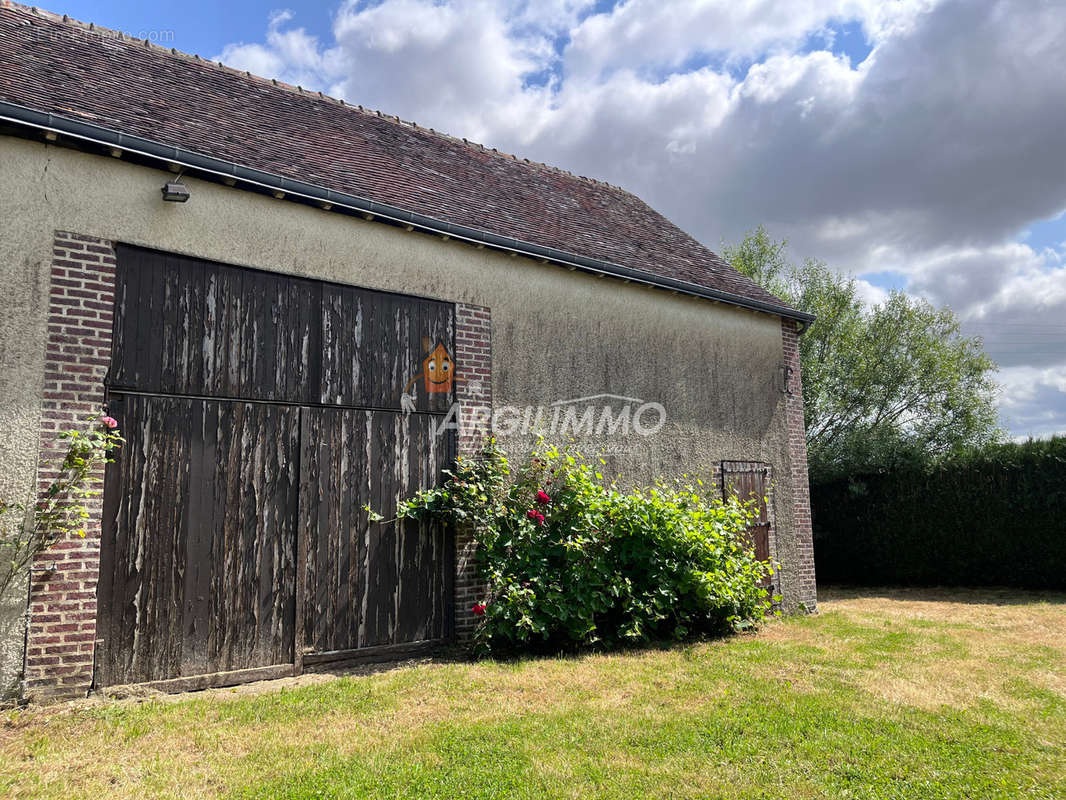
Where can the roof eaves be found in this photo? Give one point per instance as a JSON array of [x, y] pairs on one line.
[[171, 156]]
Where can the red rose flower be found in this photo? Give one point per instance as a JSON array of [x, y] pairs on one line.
[[543, 498], [532, 513], [479, 609], [540, 518]]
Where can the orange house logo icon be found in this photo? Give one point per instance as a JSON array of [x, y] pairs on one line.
[[437, 373], [438, 370]]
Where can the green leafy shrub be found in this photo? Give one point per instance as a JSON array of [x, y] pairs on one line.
[[994, 516], [571, 560]]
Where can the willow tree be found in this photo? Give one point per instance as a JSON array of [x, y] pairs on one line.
[[883, 384]]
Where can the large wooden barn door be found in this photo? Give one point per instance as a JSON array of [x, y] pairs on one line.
[[262, 414]]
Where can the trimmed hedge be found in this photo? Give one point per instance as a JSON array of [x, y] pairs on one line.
[[993, 517]]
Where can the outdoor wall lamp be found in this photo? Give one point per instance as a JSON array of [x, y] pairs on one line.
[[175, 192], [786, 379]]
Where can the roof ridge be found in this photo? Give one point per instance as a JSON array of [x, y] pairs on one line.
[[418, 170], [174, 52]]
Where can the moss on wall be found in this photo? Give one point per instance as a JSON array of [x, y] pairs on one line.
[[556, 334]]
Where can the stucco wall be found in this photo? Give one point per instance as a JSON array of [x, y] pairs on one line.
[[12, 632], [556, 334]]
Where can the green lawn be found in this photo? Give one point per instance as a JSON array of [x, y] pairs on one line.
[[884, 694]]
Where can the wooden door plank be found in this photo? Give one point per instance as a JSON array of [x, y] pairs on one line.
[[358, 484], [303, 534], [344, 500], [109, 531], [198, 534]]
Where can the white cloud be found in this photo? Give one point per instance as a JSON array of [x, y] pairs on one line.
[[459, 67], [641, 34], [869, 293], [291, 54], [926, 159], [1031, 402]]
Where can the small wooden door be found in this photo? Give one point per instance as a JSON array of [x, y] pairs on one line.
[[197, 568], [748, 481], [370, 585]]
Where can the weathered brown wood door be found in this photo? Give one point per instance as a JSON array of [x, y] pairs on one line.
[[262, 414], [198, 563], [750, 481], [370, 586]]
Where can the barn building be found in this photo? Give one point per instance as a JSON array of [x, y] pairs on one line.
[[294, 307]]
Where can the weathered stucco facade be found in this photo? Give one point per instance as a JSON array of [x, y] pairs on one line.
[[717, 370]]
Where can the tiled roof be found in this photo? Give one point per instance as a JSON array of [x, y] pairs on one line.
[[89, 74]]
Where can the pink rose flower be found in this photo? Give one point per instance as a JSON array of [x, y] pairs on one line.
[[109, 422]]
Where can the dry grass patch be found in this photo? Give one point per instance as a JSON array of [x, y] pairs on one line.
[[907, 694], [975, 643]]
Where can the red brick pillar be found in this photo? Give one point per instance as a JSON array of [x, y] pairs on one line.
[[62, 614], [473, 364], [803, 568]]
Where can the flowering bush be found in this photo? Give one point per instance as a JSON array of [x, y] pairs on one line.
[[60, 511], [571, 560]]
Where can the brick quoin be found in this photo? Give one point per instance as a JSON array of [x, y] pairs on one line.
[[807, 589], [61, 627], [473, 368]]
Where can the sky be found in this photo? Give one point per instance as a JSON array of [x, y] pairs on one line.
[[918, 145]]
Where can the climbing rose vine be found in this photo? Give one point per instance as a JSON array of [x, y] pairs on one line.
[[60, 511]]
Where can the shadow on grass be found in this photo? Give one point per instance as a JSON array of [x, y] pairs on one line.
[[554, 652], [975, 595]]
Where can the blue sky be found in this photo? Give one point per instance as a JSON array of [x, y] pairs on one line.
[[917, 144], [205, 28], [841, 38], [1046, 233], [198, 26]]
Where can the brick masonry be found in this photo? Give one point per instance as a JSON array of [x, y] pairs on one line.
[[807, 590], [62, 614], [473, 365]]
